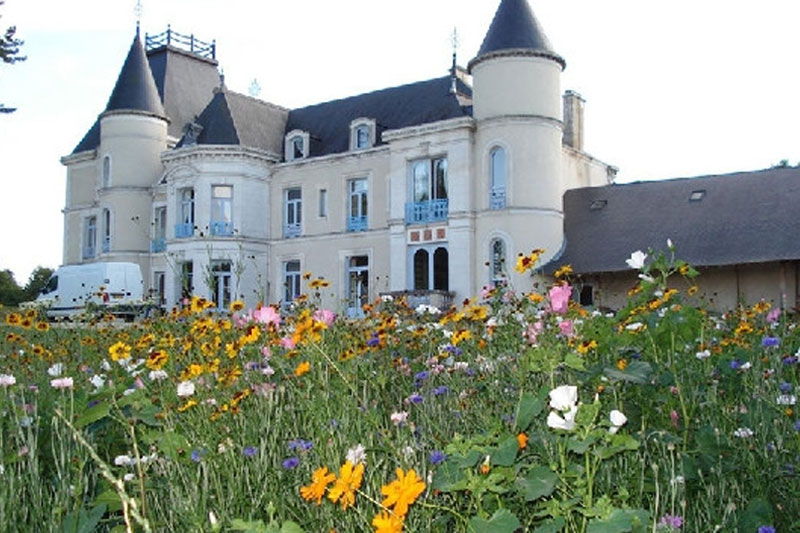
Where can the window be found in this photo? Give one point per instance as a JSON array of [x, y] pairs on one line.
[[107, 171], [357, 284], [293, 213], [587, 295], [362, 137], [221, 283], [89, 237], [185, 226], [323, 203], [296, 145], [431, 269], [291, 281], [106, 221], [497, 262], [357, 206], [221, 210], [497, 198], [428, 191], [186, 282], [159, 243], [362, 133], [159, 284]]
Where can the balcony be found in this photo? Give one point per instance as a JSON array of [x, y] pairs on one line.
[[291, 230], [158, 245], [441, 300], [428, 211], [497, 198], [184, 230], [357, 223], [221, 229]]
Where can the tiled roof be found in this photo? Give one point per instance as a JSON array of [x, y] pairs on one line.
[[746, 217], [515, 27], [398, 107]]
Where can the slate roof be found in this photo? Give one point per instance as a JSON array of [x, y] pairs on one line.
[[398, 107], [515, 27], [745, 217], [236, 119], [181, 85]]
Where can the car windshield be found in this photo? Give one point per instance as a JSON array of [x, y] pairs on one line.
[[52, 285]]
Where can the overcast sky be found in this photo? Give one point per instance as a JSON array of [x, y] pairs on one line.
[[673, 88]]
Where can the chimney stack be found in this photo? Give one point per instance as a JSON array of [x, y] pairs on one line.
[[573, 120]]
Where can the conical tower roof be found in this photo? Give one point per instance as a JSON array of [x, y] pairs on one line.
[[515, 31], [136, 89]]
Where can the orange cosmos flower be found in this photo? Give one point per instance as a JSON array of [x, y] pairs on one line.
[[349, 481], [387, 523], [403, 491], [302, 368], [319, 484], [522, 441]]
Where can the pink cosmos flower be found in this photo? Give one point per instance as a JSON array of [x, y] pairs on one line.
[[7, 380], [325, 316], [559, 298], [567, 328], [266, 352], [774, 315], [288, 343], [533, 331], [674, 416], [61, 383], [267, 315]]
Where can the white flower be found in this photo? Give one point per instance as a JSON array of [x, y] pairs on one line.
[[669, 244], [566, 423], [157, 375], [185, 388], [385, 298], [123, 460], [787, 399], [2, 469], [356, 455], [705, 354], [678, 480], [55, 370], [61, 383], [743, 433], [618, 420], [425, 308], [129, 477], [637, 260], [105, 365], [746, 366], [636, 326], [647, 278], [408, 453], [98, 381], [398, 417], [564, 398], [212, 518], [26, 421], [7, 379]]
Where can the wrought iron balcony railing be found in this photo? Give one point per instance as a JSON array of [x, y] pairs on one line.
[[221, 229], [428, 211], [184, 230], [357, 223]]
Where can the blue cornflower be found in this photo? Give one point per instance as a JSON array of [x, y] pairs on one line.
[[766, 529], [291, 462], [735, 364], [785, 387], [437, 457], [374, 340], [768, 342], [420, 376], [416, 398], [442, 389], [300, 444], [790, 360], [797, 426], [197, 455], [250, 451]]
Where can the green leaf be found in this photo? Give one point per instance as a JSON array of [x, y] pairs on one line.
[[471, 459], [579, 446], [93, 414], [449, 477], [636, 372], [537, 483], [291, 527], [529, 408], [758, 513], [574, 361], [505, 453], [551, 526], [619, 443], [620, 521], [502, 521], [82, 522], [109, 498], [255, 526]]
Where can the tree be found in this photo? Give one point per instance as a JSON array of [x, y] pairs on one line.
[[10, 293], [36, 282], [9, 52]]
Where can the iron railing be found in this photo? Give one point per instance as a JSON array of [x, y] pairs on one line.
[[187, 42], [428, 211]]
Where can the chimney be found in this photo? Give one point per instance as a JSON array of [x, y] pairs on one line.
[[573, 120]]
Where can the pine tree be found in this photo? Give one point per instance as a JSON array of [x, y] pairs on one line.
[[9, 52]]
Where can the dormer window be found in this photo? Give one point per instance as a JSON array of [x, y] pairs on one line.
[[297, 145], [362, 134]]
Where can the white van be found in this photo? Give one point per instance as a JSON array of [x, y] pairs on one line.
[[116, 286]]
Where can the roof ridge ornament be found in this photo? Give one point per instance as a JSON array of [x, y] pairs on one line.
[[453, 75], [137, 11]]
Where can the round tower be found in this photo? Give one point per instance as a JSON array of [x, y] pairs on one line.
[[133, 134], [517, 105]]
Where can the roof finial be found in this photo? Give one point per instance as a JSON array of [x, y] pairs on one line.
[[453, 75], [137, 10]]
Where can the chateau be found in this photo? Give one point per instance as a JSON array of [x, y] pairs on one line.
[[428, 189]]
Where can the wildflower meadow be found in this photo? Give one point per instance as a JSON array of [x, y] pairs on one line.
[[518, 410]]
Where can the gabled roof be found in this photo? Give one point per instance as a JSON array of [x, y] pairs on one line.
[[746, 217], [135, 89], [398, 107], [236, 119], [515, 29]]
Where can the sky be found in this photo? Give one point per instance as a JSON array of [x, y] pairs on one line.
[[673, 88]]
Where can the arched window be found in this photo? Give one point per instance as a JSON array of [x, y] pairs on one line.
[[497, 261], [431, 270], [497, 164], [107, 171], [106, 229], [421, 270], [441, 270]]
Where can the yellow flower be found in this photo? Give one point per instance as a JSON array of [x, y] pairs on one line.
[[13, 319], [349, 481], [189, 404], [684, 270], [302, 368], [119, 351], [476, 312], [236, 305], [622, 364], [692, 290], [762, 307], [387, 523], [565, 270], [319, 484], [527, 262], [461, 335], [585, 346], [535, 297], [522, 441], [403, 491], [157, 359], [319, 283], [743, 328], [42, 326]]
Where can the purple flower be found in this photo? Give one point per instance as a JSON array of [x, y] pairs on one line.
[[300, 444], [291, 462], [374, 340], [197, 455], [416, 398], [790, 360], [785, 387], [766, 529], [797, 426], [734, 365], [443, 389], [768, 342], [673, 521], [420, 376], [437, 457], [250, 451]]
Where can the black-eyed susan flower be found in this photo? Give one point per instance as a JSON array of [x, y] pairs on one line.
[[157, 359], [119, 351], [236, 305], [565, 270]]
